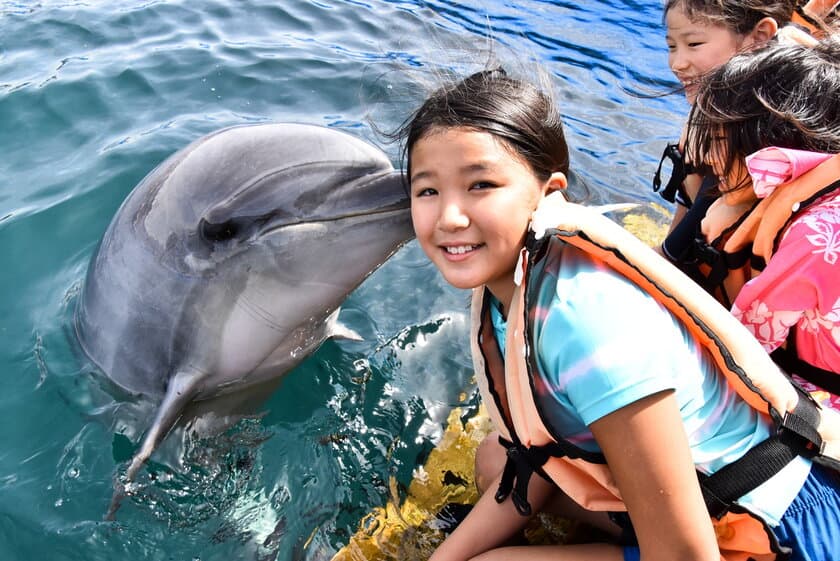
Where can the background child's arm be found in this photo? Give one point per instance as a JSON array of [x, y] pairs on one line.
[[648, 453]]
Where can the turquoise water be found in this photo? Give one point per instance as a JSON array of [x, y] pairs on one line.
[[94, 94]]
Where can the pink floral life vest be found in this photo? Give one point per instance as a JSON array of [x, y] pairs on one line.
[[799, 290]]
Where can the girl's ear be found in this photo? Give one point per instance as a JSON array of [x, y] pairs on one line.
[[557, 182], [763, 31]]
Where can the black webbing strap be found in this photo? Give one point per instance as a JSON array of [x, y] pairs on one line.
[[517, 474], [523, 462], [791, 363], [788, 359], [797, 435], [675, 189], [720, 263]]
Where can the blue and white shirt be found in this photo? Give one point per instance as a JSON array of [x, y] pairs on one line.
[[602, 343]]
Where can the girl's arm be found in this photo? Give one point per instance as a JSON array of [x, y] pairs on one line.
[[691, 184], [648, 453]]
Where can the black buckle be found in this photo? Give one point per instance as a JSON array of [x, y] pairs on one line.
[[520, 465], [678, 173], [705, 252], [798, 429]]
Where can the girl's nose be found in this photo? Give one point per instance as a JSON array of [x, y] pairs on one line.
[[677, 61], [452, 217]]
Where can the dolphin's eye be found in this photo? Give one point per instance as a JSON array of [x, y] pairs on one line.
[[218, 232]]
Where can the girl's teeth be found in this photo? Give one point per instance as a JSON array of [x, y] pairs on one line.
[[460, 249]]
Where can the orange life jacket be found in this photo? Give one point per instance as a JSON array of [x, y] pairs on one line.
[[507, 386], [812, 16], [725, 264]]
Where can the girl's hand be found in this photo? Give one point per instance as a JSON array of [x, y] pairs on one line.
[[720, 216]]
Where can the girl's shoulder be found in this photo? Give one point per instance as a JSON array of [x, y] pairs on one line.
[[817, 228], [582, 285]]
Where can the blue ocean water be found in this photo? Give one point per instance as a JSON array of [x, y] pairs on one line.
[[94, 94]]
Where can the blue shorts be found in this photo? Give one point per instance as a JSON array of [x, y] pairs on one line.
[[810, 525]]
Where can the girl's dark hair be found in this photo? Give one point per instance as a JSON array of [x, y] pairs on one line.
[[741, 16], [779, 95], [514, 111]]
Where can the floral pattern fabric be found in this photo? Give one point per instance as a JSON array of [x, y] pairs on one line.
[[799, 289]]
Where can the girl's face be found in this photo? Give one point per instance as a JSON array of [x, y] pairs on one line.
[[735, 186], [471, 202], [696, 46]]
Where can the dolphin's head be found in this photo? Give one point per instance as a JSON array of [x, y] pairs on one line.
[[243, 185], [231, 254]]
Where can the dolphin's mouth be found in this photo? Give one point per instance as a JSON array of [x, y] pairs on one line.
[[335, 195], [272, 227]]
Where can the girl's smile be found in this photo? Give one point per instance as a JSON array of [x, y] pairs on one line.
[[472, 198], [457, 252], [696, 46]]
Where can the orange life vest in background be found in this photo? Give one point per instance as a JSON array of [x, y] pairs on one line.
[[724, 265], [506, 386]]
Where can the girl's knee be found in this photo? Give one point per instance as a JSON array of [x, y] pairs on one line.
[[490, 457]]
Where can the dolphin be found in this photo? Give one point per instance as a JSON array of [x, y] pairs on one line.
[[226, 265]]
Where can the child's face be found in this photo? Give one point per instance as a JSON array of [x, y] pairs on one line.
[[735, 186], [697, 46], [471, 202]]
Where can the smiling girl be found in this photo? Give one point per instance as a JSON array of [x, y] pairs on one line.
[[614, 375]]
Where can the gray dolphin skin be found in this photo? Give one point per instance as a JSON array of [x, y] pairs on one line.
[[225, 266]]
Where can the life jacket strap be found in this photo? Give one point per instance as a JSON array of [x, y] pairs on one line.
[[516, 475], [520, 465], [720, 262], [522, 462], [788, 359], [674, 190], [796, 436], [826, 379]]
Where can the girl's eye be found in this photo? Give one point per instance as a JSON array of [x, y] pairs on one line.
[[696, 44], [425, 192], [483, 185]]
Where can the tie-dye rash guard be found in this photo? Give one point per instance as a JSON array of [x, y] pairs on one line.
[[602, 343]]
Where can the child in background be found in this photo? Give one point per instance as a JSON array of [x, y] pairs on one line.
[[701, 35], [760, 122], [482, 155]]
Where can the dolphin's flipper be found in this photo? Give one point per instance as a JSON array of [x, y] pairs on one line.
[[181, 390], [338, 330]]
